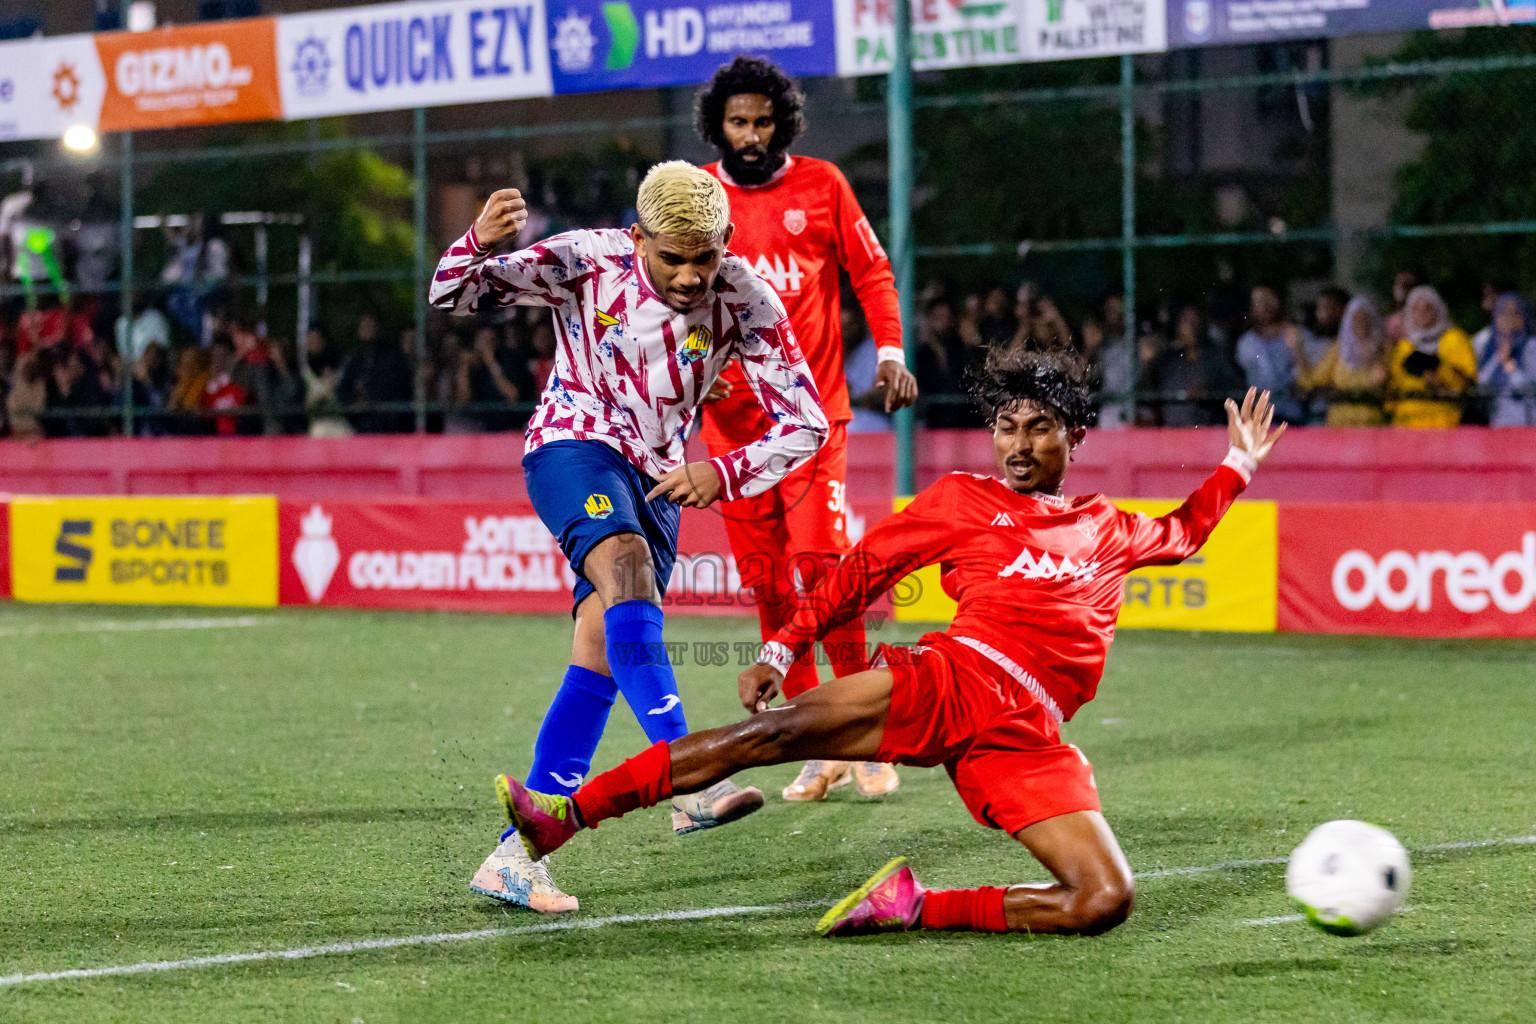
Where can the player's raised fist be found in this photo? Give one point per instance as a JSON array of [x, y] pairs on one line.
[[503, 218]]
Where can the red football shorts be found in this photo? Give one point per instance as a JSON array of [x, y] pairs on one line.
[[1003, 750], [806, 513]]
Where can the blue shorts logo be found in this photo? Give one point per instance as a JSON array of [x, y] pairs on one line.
[[598, 506]]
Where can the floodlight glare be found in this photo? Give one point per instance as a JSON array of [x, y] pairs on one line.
[[81, 138]]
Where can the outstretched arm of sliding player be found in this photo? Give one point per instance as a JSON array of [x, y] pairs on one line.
[[1172, 538], [777, 374], [920, 534]]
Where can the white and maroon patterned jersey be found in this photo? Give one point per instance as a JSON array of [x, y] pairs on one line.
[[630, 370]]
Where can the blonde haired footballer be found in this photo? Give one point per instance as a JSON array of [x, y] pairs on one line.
[[683, 201], [644, 321]]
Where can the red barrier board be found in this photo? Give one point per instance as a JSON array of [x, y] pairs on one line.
[[5, 549], [491, 556], [459, 555], [1410, 569]]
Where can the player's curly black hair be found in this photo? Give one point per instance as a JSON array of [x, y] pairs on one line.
[[746, 75], [1028, 373]]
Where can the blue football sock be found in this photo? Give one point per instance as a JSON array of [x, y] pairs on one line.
[[640, 667], [569, 734]]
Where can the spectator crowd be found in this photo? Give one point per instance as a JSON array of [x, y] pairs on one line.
[[193, 367], [1336, 361]]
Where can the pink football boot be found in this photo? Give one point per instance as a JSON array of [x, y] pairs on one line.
[[544, 822], [891, 901]]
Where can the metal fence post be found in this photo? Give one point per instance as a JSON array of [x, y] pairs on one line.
[[898, 102], [125, 284], [1128, 219], [419, 152]]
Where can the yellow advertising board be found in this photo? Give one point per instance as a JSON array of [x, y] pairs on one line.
[[1231, 585], [190, 551]]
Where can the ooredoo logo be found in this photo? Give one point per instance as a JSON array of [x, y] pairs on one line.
[[1470, 581]]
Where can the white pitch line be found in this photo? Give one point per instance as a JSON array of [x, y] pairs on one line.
[[364, 945], [1282, 919], [1259, 922], [140, 625], [1204, 869], [445, 938], [1237, 865]]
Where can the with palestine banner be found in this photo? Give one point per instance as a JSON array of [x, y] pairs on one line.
[[1218, 22]]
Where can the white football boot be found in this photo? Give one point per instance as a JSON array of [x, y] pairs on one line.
[[720, 804], [511, 876]]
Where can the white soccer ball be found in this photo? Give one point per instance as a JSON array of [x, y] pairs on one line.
[[1348, 877]]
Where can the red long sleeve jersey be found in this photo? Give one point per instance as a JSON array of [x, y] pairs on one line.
[[795, 231], [1038, 578]]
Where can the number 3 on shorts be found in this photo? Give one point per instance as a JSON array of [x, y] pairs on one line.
[[837, 501]]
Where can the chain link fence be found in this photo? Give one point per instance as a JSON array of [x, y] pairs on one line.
[[276, 274]]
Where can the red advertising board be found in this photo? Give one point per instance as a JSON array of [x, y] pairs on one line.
[[1410, 569], [5, 548], [459, 555], [492, 556]]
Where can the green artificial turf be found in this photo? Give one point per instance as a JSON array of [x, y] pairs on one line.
[[322, 777]]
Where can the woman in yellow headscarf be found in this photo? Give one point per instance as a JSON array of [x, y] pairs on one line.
[[1353, 374], [1432, 369]]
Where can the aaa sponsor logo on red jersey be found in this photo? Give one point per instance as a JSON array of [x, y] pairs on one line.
[[1043, 567], [1408, 569]]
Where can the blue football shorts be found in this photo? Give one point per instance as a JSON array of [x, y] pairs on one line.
[[585, 491]]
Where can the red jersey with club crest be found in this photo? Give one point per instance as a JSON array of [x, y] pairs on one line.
[[795, 231], [1038, 578]]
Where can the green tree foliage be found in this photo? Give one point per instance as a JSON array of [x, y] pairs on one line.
[[1049, 169], [355, 202], [1478, 165]]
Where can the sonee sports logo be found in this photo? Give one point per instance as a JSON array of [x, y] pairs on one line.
[[77, 555]]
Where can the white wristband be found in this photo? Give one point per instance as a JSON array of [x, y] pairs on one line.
[[890, 354], [777, 655], [1240, 461]]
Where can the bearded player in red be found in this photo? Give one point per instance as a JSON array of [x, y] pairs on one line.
[[1038, 578], [797, 222]]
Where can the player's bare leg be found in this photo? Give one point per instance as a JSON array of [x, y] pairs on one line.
[[842, 720], [1092, 893], [1094, 889]]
